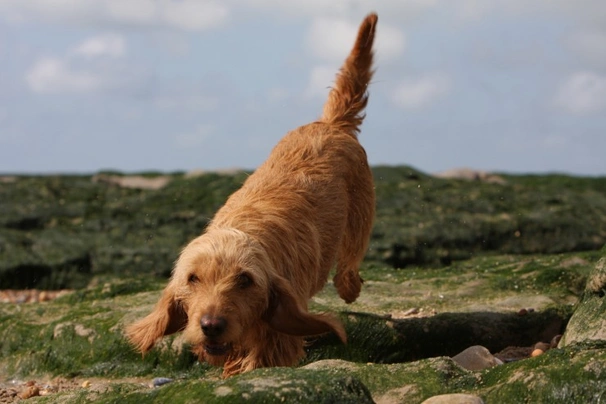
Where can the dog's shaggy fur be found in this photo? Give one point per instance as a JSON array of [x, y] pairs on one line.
[[239, 292]]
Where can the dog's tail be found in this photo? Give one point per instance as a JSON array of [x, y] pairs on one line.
[[348, 97]]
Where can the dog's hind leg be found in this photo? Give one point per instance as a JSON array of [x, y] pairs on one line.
[[354, 241]]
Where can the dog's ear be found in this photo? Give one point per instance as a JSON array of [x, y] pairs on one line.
[[167, 318], [285, 315]]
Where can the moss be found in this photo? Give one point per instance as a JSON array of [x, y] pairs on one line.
[[80, 336], [62, 231], [262, 386], [558, 376], [587, 323]]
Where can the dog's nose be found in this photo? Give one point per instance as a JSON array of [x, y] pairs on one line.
[[212, 326]]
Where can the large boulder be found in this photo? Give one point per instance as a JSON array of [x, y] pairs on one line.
[[588, 323]]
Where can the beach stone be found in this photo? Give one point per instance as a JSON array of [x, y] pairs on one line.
[[454, 399], [476, 357], [588, 322]]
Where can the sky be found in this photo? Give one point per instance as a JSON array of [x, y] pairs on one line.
[[516, 86]]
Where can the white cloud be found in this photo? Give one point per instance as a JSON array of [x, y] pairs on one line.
[[583, 92], [52, 75], [321, 79], [331, 39], [196, 102], [403, 10], [187, 15], [196, 137], [585, 10], [112, 45], [87, 67], [420, 92], [194, 15], [132, 12]]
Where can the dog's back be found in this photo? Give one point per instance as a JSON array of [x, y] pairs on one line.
[[312, 202]]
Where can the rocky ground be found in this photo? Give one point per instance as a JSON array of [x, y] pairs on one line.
[[475, 290], [408, 339]]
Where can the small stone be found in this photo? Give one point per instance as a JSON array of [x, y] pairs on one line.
[[411, 311], [454, 399], [48, 389], [476, 358], [543, 346], [160, 381], [537, 352], [29, 392], [555, 341]]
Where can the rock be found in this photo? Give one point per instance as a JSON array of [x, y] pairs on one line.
[[404, 394], [134, 181], [469, 174], [588, 322], [29, 392], [224, 171], [543, 346], [160, 381], [476, 358], [537, 352], [78, 330], [513, 353], [454, 399], [555, 341]]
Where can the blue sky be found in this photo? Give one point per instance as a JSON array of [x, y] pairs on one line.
[[498, 85]]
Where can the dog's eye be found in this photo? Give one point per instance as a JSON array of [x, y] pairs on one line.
[[193, 279], [244, 280]]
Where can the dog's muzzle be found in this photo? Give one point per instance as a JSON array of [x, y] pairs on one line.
[[214, 327], [216, 349]]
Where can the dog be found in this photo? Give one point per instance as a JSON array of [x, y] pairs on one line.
[[240, 291]]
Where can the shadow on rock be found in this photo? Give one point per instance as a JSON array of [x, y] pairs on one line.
[[380, 339]]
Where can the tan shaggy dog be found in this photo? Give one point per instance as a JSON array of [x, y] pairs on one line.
[[239, 292]]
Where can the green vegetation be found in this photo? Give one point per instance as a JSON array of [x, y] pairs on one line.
[[464, 257], [61, 231]]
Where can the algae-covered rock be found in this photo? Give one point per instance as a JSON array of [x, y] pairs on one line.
[[476, 358], [378, 339], [263, 386], [62, 231], [588, 323], [454, 399], [78, 338]]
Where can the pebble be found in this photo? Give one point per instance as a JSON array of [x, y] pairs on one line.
[[555, 341], [543, 346], [476, 357], [537, 352], [29, 392], [411, 311], [454, 399], [160, 381]]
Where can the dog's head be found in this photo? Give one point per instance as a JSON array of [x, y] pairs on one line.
[[223, 288]]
